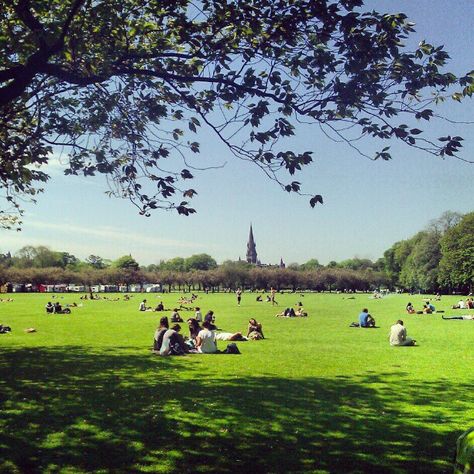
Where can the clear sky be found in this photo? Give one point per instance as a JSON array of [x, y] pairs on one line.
[[368, 205]]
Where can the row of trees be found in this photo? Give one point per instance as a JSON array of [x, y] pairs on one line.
[[229, 275], [440, 257]]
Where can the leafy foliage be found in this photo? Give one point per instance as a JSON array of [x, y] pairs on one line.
[[122, 86], [457, 264]]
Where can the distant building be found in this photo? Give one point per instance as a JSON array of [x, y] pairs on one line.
[[251, 256], [251, 249]]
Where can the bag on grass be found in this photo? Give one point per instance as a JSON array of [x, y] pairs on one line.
[[232, 349]]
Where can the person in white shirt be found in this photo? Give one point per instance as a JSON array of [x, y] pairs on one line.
[[206, 340], [198, 314], [398, 335]]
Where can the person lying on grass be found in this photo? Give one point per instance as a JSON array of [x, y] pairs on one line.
[[398, 335], [466, 317], [230, 336]]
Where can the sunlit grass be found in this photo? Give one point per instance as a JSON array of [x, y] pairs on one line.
[[84, 393]]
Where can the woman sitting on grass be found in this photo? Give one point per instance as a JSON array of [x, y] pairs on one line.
[[194, 328], [410, 309], [254, 330], [175, 317], [206, 340], [159, 333], [173, 342]]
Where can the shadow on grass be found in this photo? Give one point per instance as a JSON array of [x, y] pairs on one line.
[[72, 410]]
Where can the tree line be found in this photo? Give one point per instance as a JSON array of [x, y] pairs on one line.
[[438, 258]]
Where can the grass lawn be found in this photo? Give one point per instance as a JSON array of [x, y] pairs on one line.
[[84, 393]]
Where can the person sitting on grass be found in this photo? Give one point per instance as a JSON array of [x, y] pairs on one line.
[[211, 320], [287, 313], [460, 305], [398, 335], [173, 342], [159, 333], [194, 328], [254, 330], [198, 314], [57, 307], [175, 317], [160, 306], [206, 340], [49, 307], [300, 312], [410, 309], [427, 309], [366, 320], [143, 306]]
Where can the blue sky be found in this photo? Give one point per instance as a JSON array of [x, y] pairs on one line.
[[368, 205]]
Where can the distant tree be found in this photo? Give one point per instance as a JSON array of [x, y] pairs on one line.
[[356, 264], [176, 264], [311, 264], [420, 269], [202, 261], [95, 262], [126, 262], [456, 269], [447, 220], [120, 85]]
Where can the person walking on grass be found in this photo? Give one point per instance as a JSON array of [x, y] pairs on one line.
[[238, 293]]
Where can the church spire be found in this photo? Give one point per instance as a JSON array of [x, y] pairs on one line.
[[251, 248]]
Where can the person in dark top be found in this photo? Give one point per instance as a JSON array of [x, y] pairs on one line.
[[194, 328], [159, 333], [175, 317], [254, 326], [160, 306], [57, 307], [49, 307], [210, 319]]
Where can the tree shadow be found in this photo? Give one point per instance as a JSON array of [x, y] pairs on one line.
[[71, 409]]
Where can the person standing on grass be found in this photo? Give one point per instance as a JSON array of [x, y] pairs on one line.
[[238, 293], [272, 296], [398, 335]]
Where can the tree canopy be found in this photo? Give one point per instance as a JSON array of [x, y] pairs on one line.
[[123, 86]]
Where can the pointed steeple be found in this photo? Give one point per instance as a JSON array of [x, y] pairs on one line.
[[251, 248]]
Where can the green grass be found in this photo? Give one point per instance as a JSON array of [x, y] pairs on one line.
[[84, 393]]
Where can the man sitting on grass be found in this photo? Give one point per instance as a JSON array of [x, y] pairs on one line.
[[398, 335], [366, 320]]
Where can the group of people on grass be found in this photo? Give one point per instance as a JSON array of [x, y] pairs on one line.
[[202, 337], [56, 308], [292, 312], [428, 308], [398, 333], [461, 304]]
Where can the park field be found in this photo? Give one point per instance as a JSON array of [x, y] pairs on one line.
[[84, 394]]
